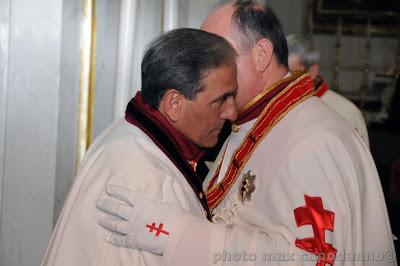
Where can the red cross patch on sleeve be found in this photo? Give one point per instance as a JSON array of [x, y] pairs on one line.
[[314, 214]]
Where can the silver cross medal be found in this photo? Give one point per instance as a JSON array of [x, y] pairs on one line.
[[247, 187]]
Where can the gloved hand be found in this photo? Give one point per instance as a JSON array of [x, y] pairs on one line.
[[138, 222]]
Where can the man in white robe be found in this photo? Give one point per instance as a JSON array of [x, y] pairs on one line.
[[303, 55], [291, 167], [156, 140]]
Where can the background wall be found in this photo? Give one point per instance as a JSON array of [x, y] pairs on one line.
[[68, 91], [39, 88], [30, 83]]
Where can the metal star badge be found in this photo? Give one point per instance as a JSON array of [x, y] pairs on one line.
[[247, 187]]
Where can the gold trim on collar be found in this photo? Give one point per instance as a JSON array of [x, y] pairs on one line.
[[294, 75]]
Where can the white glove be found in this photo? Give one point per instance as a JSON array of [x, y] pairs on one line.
[[139, 222]]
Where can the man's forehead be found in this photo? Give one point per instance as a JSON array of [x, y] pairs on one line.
[[214, 78]]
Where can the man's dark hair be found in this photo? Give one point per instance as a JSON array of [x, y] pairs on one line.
[[181, 59], [255, 21]]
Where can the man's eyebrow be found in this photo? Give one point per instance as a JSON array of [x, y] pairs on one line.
[[225, 95]]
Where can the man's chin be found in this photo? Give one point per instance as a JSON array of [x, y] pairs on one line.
[[209, 143]]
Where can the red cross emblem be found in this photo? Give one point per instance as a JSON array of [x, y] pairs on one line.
[[320, 219], [158, 230]]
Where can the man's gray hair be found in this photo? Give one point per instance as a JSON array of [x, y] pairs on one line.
[[303, 46], [181, 59], [254, 20]]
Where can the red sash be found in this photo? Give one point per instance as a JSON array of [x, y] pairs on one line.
[[300, 89]]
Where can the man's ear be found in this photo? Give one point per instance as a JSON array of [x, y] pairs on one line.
[[171, 104], [263, 51]]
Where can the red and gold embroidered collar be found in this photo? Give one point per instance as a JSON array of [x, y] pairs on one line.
[[299, 87], [253, 109]]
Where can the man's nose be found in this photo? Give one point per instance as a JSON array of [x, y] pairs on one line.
[[230, 111]]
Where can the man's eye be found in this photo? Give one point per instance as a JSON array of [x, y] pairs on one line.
[[217, 103], [223, 99]]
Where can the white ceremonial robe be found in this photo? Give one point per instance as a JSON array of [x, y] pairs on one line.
[[312, 151], [122, 155], [348, 110]]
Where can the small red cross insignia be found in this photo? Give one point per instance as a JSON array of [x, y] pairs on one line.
[[320, 219], [158, 230], [192, 164]]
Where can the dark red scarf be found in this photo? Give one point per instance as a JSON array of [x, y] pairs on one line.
[[180, 150]]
